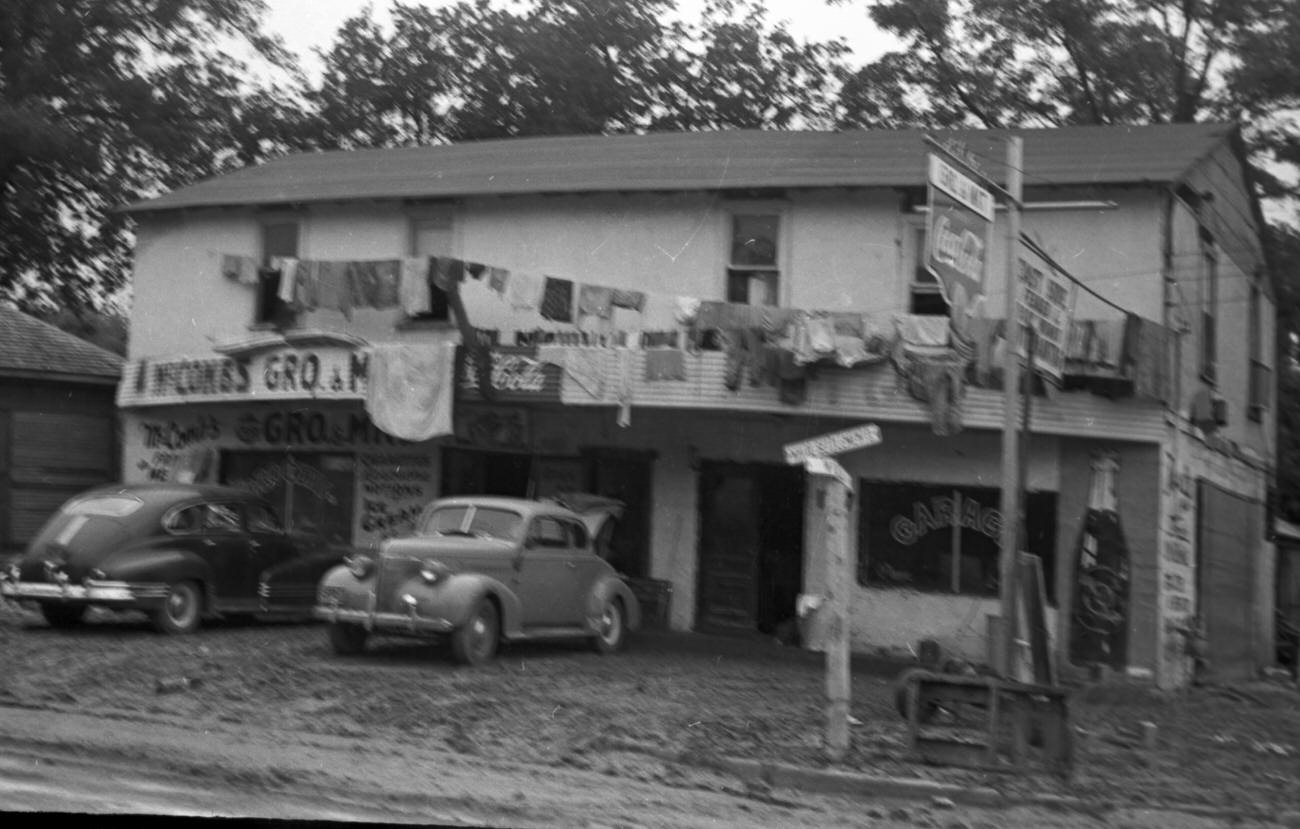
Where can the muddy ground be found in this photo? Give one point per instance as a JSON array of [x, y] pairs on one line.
[[669, 697]]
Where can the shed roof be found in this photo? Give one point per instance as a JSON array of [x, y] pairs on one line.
[[32, 348], [739, 159]]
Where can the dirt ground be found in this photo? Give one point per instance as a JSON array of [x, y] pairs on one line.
[[670, 702]]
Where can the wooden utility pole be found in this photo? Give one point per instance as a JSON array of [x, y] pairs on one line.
[[1010, 501], [840, 581]]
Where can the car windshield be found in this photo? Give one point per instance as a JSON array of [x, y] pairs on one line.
[[475, 521]]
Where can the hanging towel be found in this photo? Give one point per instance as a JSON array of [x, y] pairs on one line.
[[665, 364], [524, 290], [307, 285], [593, 300], [356, 286], [624, 389], [414, 286], [710, 315], [475, 270], [632, 300], [409, 389], [557, 300], [497, 279], [288, 268], [384, 284], [685, 309], [330, 279], [447, 270], [587, 368]]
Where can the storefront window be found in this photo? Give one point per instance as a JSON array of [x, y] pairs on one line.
[[944, 539], [313, 491]]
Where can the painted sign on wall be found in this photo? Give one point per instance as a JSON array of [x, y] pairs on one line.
[[394, 489], [287, 373], [1177, 564]]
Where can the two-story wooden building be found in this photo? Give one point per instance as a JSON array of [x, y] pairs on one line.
[[657, 315]]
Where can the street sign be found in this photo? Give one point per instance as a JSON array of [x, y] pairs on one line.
[[830, 468], [823, 446], [1046, 301], [958, 226]]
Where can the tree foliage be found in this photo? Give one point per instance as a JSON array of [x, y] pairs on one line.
[[479, 69], [1002, 63], [107, 101]]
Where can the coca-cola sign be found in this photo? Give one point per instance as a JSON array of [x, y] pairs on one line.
[[957, 233], [516, 374]]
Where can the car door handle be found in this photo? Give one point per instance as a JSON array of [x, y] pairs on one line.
[[209, 542], [254, 545], [573, 565]]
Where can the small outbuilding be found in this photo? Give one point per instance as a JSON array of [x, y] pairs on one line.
[[58, 422]]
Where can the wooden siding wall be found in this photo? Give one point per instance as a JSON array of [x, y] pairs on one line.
[[84, 419]]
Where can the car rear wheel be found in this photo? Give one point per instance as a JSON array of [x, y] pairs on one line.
[[179, 612], [475, 642], [347, 639], [612, 628], [63, 615]]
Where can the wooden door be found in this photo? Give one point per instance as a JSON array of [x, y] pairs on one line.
[[727, 593]]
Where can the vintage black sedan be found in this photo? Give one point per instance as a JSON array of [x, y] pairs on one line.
[[178, 552], [481, 569]]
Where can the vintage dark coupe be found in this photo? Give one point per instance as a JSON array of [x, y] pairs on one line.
[[178, 552], [482, 569]]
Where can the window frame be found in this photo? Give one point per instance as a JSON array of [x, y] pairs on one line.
[[440, 313], [1043, 523], [1259, 381], [268, 309], [1209, 350], [922, 286], [780, 291]]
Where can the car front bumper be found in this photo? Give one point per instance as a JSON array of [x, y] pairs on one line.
[[122, 594], [409, 624]]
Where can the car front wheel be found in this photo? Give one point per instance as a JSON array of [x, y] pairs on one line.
[[611, 629], [347, 639], [63, 615], [475, 642], [179, 612]]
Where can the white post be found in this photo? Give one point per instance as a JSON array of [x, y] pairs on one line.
[[840, 583]]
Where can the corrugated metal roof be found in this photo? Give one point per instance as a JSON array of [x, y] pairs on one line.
[[698, 160], [29, 347]]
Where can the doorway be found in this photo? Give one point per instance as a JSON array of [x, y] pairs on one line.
[[750, 546]]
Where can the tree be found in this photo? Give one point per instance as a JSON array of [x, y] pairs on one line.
[[1003, 63], [103, 102], [479, 70]]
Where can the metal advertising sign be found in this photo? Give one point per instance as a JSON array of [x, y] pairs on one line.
[[1046, 301], [957, 232], [859, 437]]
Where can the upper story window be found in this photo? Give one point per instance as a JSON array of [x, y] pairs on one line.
[[1261, 376], [1209, 306], [924, 295], [753, 269], [279, 238], [432, 235]]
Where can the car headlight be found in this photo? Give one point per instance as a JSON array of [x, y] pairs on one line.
[[359, 566], [434, 571]]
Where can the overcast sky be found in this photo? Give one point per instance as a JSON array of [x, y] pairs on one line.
[[308, 23]]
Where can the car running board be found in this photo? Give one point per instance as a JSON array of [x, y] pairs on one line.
[[552, 633]]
